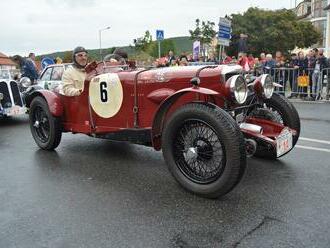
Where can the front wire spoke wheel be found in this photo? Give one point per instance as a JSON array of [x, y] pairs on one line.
[[204, 149], [203, 160]]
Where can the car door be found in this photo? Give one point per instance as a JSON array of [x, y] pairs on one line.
[[44, 80], [106, 94], [56, 77]]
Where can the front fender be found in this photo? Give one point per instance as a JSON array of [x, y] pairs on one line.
[[53, 100], [158, 122]]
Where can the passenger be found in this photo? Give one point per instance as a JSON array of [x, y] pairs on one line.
[[74, 77], [122, 54], [119, 55]]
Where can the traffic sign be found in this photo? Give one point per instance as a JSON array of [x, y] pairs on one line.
[[224, 34], [160, 34], [46, 61]]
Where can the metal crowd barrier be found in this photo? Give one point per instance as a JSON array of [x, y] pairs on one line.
[[296, 82], [325, 83]]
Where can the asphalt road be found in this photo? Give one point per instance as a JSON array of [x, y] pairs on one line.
[[99, 193]]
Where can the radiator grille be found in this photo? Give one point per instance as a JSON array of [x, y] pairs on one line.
[[6, 97], [16, 94]]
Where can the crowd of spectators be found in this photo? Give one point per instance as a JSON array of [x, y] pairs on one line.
[[183, 59], [290, 68], [283, 69]]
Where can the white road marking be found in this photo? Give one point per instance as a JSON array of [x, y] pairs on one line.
[[315, 140], [313, 148]]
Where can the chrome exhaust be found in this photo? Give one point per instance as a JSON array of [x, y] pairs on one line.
[[251, 127]]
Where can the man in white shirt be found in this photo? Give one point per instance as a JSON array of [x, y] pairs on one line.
[[74, 77]]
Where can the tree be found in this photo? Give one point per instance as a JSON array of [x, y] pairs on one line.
[[143, 42], [269, 31], [203, 33]]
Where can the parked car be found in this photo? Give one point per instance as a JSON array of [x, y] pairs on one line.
[[205, 119], [51, 76], [11, 102], [49, 79]]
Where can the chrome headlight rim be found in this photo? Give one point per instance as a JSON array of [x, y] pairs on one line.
[[25, 82], [235, 91], [267, 86]]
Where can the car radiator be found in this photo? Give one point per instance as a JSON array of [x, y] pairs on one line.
[[6, 101], [16, 94]]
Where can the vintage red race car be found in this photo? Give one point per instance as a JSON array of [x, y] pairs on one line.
[[206, 119]]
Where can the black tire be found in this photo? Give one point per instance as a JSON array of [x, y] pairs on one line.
[[215, 139], [286, 114], [45, 128]]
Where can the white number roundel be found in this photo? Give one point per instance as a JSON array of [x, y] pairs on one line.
[[106, 94]]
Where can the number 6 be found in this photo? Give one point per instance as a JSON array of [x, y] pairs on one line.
[[103, 92]]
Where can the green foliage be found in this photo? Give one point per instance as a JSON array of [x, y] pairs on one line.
[[178, 44], [165, 45], [271, 31], [143, 43], [203, 33], [182, 44], [67, 57]]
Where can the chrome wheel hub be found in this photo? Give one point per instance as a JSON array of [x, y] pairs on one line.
[[36, 124], [191, 153]]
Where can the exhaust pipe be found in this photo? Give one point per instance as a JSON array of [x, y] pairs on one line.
[[251, 127]]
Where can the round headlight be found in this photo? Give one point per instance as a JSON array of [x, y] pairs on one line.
[[25, 82], [267, 86], [238, 88]]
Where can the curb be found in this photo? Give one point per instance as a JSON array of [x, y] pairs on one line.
[[310, 102]]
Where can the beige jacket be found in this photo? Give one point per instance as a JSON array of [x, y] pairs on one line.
[[73, 81]]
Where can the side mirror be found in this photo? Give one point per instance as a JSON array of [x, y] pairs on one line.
[[25, 82]]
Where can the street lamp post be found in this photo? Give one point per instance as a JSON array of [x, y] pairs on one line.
[[100, 32]]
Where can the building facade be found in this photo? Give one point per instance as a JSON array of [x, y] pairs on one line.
[[6, 62], [327, 35], [316, 12]]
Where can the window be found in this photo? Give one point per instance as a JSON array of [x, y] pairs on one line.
[[4, 74], [319, 5], [57, 73], [46, 75]]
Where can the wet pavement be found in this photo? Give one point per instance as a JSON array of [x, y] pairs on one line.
[[99, 193]]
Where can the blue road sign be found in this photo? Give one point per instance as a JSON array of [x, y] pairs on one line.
[[225, 29], [224, 34], [160, 34], [46, 61]]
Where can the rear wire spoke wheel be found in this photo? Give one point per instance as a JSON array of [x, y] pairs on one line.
[[41, 124], [278, 109], [45, 128], [204, 149]]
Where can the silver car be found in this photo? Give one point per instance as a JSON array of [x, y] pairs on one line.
[[51, 77], [11, 102]]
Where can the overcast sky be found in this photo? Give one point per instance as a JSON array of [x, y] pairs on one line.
[[44, 26]]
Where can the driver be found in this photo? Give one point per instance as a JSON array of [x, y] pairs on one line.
[[74, 77]]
